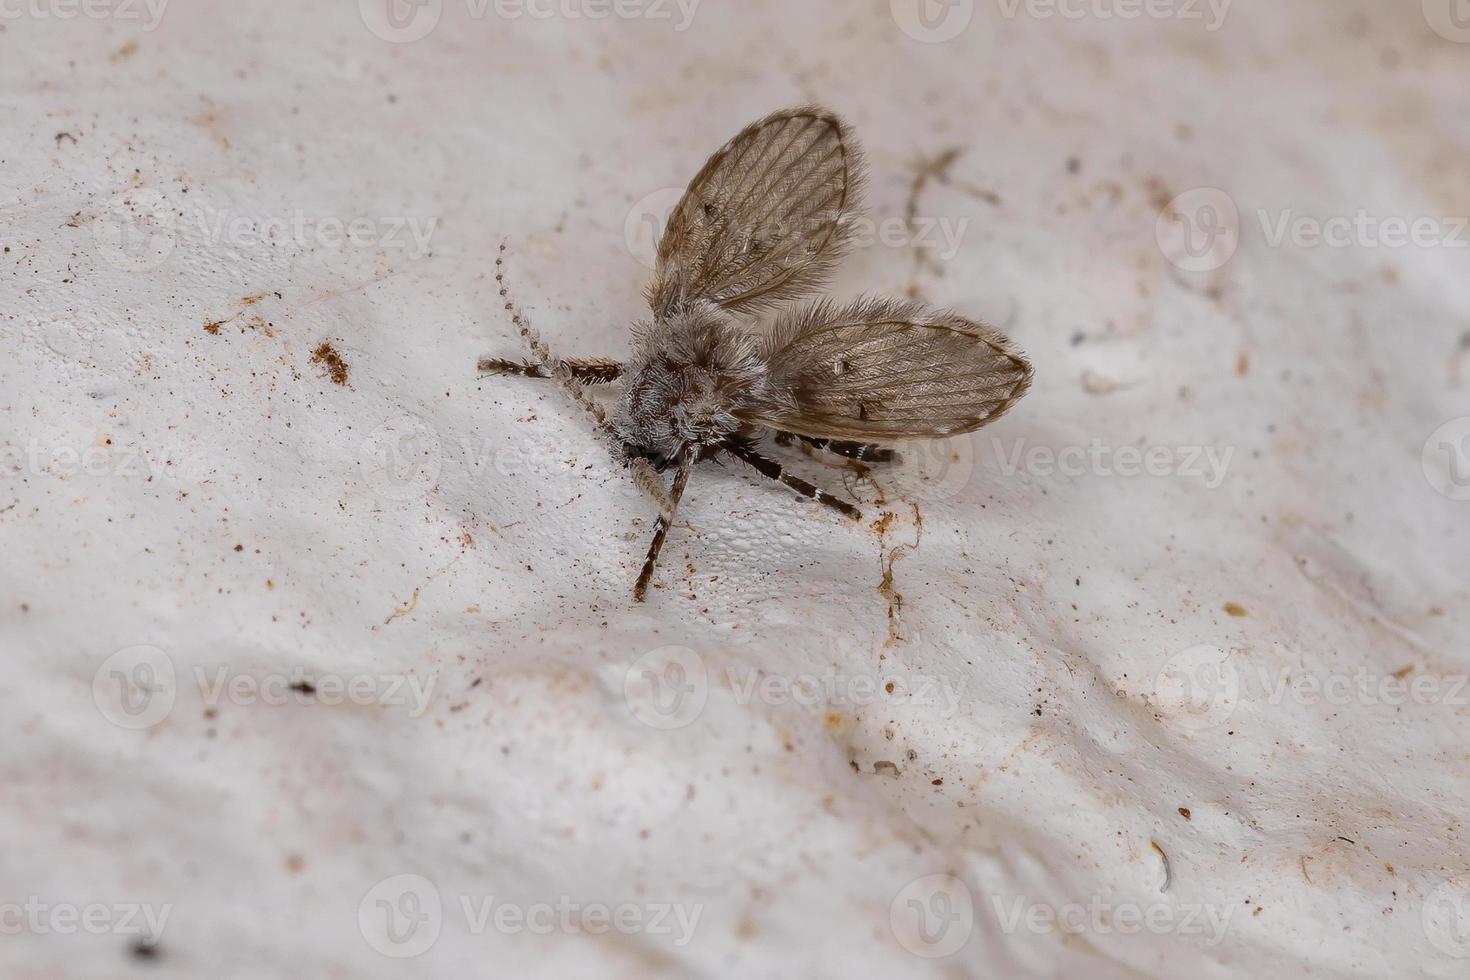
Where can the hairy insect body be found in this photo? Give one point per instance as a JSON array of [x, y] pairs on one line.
[[691, 377], [759, 227]]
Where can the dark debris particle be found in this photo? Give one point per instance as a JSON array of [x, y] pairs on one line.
[[304, 687], [1184, 812], [146, 949], [326, 356]]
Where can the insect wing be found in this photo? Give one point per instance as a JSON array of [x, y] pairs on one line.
[[882, 371], [765, 218]]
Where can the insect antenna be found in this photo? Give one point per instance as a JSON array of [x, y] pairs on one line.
[[642, 472]]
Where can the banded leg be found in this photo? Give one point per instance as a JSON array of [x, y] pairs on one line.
[[661, 531], [773, 470], [588, 370], [861, 451]]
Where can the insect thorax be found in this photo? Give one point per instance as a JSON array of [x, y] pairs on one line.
[[690, 375]]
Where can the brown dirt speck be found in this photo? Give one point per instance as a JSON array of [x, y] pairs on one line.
[[326, 357], [1235, 609]]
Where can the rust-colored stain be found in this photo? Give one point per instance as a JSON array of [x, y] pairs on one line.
[[326, 356], [1235, 609]]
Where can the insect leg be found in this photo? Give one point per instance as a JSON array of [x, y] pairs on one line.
[[588, 370], [661, 530], [773, 470], [861, 451]]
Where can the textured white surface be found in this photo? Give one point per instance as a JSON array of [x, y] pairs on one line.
[[203, 490]]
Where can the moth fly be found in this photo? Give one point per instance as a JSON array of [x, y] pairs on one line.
[[761, 225]]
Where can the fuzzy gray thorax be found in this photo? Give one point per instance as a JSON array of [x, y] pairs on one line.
[[689, 377]]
